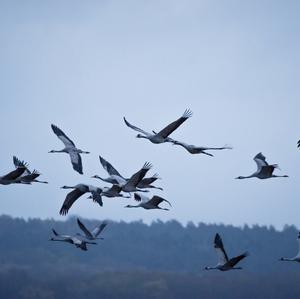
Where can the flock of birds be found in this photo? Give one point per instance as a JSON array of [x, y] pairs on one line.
[[138, 184]]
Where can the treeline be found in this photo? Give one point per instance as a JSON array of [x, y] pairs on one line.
[[135, 260]]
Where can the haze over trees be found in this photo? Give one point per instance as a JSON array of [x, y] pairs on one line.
[[135, 260]]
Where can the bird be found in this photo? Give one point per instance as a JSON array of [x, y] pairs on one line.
[[163, 135], [116, 178], [193, 149], [225, 263], [145, 183], [114, 191], [78, 191], [132, 184], [264, 170], [12, 177], [91, 235], [147, 203], [72, 240], [27, 177], [70, 149], [297, 257]]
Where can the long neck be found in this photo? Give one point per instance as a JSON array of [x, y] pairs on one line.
[[279, 176], [142, 136], [211, 268], [43, 182], [83, 152], [247, 177], [57, 240], [154, 187], [130, 206], [69, 187], [285, 259], [56, 151]]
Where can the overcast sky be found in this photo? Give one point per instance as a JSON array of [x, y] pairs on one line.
[[83, 65]]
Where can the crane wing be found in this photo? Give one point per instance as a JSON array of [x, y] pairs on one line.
[[96, 196], [232, 262], [14, 174], [260, 161], [138, 176], [62, 136], [149, 181], [165, 132], [21, 167], [98, 229], [218, 244], [109, 168], [115, 189], [76, 162], [156, 200], [267, 170], [30, 177], [135, 128], [298, 239], [84, 229], [70, 199], [141, 197]]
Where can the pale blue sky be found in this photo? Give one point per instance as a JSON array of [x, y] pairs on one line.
[[85, 65]]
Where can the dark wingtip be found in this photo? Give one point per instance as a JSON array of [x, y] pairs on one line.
[[63, 211], [137, 197], [187, 113], [147, 165], [54, 232], [246, 253]]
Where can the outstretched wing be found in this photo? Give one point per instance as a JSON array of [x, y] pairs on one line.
[[140, 197], [84, 229], [135, 128], [138, 176], [298, 239], [19, 163], [267, 170], [232, 262], [96, 196], [62, 136], [70, 199], [260, 161], [98, 229], [55, 233], [156, 200], [115, 189], [108, 167], [218, 244], [76, 162], [149, 181], [21, 167], [13, 174], [165, 132], [30, 177]]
